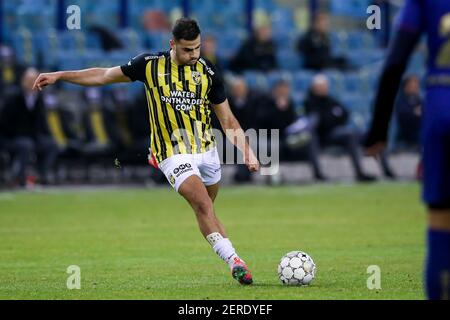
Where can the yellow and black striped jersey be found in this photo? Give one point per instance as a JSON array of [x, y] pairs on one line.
[[179, 99]]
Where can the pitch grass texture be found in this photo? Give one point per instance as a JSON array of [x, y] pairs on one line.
[[145, 243]]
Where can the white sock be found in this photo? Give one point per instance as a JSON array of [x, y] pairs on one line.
[[223, 247]]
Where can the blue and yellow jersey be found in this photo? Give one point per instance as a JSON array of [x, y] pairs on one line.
[[179, 99], [431, 17]]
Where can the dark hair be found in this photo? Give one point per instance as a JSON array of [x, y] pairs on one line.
[[186, 28]]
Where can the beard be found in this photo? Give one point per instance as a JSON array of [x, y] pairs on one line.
[[192, 62]]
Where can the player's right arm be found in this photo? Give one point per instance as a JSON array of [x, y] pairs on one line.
[[86, 77], [132, 71]]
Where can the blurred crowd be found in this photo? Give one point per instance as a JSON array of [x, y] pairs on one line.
[[38, 134]]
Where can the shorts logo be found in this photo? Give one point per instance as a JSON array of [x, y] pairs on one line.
[[183, 168], [171, 179], [196, 77]]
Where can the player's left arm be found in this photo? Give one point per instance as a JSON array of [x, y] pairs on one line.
[[388, 87], [235, 134], [405, 40]]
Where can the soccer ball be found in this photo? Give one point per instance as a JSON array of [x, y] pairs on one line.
[[296, 268]]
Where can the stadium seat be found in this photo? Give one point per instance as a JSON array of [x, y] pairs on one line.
[[354, 40], [132, 39], [67, 61], [335, 79], [282, 20], [350, 101], [275, 76], [47, 40], [230, 41], [35, 15], [157, 41], [135, 89], [417, 62], [353, 82], [78, 40], [288, 60], [256, 80], [351, 8], [95, 58], [120, 57], [220, 14], [338, 42], [298, 97], [364, 57], [46, 45], [266, 5], [301, 81], [287, 40], [22, 42]]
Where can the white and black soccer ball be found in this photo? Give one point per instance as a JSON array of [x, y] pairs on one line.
[[296, 268]]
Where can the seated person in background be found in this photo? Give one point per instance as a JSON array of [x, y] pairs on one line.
[[278, 112], [257, 53], [155, 20], [100, 135], [121, 112], [24, 130], [109, 41], [408, 110], [61, 126], [10, 72], [315, 47], [244, 103], [209, 49], [332, 119], [139, 123]]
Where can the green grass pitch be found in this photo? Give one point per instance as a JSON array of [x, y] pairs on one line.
[[145, 244]]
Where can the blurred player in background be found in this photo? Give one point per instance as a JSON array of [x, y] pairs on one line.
[[181, 87], [431, 17]]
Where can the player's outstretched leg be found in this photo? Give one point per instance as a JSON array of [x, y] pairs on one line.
[[194, 191]]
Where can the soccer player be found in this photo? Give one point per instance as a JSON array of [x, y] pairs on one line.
[[181, 89], [431, 17]]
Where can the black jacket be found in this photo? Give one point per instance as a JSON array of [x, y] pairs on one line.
[[271, 117], [254, 55], [329, 111], [16, 120], [408, 121], [246, 111], [316, 50]]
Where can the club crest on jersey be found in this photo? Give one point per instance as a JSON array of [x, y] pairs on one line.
[[196, 77], [171, 179]]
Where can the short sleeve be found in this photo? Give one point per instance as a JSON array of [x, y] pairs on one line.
[[217, 93], [411, 18], [135, 68]]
